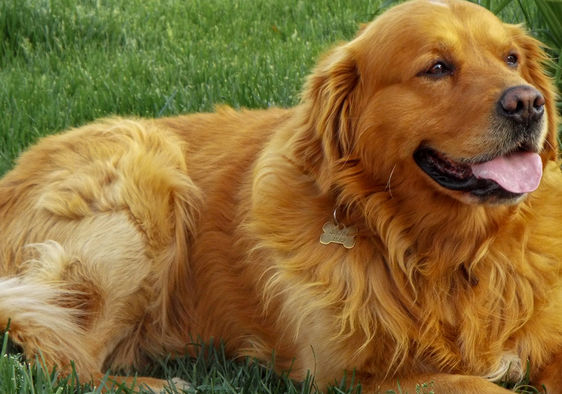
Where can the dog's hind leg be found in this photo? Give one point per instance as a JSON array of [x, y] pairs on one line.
[[75, 301], [86, 301], [95, 226]]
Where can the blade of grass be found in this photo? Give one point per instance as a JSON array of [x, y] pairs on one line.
[[552, 13], [524, 10], [499, 7]]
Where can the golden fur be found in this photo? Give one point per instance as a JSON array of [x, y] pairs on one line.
[[127, 238]]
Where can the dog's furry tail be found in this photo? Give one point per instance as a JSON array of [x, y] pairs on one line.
[[32, 304], [37, 319]]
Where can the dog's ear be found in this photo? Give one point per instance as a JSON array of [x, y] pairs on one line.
[[329, 101], [533, 70]]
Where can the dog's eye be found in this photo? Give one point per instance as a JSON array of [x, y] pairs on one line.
[[512, 60], [439, 69]]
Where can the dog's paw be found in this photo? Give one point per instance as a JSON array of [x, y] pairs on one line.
[[180, 385]]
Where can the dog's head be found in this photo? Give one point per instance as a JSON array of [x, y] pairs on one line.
[[437, 95]]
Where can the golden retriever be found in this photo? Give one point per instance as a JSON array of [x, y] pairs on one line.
[[404, 221]]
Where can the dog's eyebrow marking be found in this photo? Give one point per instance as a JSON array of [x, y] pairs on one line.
[[440, 3]]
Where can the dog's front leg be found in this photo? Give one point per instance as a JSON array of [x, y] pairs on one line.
[[139, 384], [435, 383], [550, 377]]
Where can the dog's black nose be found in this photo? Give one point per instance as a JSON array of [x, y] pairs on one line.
[[523, 104]]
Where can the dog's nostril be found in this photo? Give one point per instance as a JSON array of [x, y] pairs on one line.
[[511, 104], [538, 107], [539, 102]]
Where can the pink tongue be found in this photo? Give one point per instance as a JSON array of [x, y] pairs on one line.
[[517, 173]]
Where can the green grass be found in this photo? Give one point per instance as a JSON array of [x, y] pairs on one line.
[[66, 62], [210, 371]]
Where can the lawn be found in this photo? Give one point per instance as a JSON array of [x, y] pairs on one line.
[[66, 62]]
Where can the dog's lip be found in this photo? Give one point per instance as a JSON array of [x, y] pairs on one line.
[[457, 175], [452, 174]]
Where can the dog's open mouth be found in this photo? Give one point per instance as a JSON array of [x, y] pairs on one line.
[[503, 177]]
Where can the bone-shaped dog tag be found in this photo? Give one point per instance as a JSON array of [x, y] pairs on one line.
[[333, 233]]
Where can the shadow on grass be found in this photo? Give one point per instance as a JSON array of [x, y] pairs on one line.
[[209, 371]]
